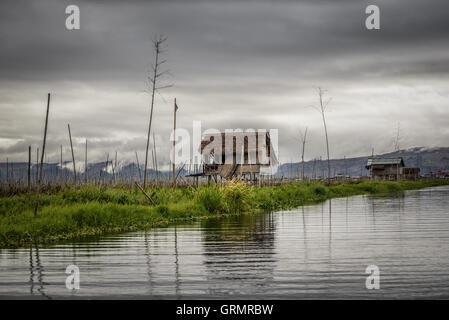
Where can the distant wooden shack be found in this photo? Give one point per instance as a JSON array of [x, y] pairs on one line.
[[391, 169], [236, 154], [385, 168]]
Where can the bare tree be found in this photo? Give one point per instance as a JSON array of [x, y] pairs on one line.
[[322, 110], [303, 141], [153, 83]]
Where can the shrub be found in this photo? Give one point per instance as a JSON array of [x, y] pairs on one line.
[[162, 209], [211, 198], [236, 195], [319, 190]]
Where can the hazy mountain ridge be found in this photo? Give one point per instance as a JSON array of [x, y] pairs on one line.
[[427, 159]]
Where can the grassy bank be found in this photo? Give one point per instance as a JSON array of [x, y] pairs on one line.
[[72, 213]]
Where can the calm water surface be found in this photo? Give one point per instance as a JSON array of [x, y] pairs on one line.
[[316, 251]]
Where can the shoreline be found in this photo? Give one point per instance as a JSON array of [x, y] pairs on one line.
[[90, 211]]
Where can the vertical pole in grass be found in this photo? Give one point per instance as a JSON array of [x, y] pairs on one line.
[[85, 166], [114, 168], [42, 158], [73, 156], [138, 166], [155, 160], [37, 165], [174, 137], [61, 175], [29, 168]]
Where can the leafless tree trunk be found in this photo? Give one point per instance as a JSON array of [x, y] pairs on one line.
[[322, 109], [153, 79]]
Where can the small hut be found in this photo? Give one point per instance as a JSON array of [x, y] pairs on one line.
[[237, 154], [385, 168]]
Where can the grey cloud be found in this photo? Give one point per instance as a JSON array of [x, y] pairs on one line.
[[234, 64]]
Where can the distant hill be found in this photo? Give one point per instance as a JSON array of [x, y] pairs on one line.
[[427, 159]]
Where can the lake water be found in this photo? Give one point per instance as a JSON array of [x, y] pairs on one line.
[[316, 251]]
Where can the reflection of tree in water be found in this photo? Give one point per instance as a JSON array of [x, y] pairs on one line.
[[37, 274], [239, 253]]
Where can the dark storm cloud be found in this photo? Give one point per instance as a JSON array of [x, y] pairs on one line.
[[234, 64]]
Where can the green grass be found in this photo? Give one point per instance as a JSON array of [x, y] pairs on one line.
[[73, 213]]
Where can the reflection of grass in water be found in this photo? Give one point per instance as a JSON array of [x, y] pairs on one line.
[[71, 213]]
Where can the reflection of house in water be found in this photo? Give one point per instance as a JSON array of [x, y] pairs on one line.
[[239, 252], [392, 204], [390, 169], [237, 154]]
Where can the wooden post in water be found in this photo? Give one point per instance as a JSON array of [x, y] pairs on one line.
[[73, 156], [42, 158], [29, 168]]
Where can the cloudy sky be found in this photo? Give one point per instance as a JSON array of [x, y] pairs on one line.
[[233, 64]]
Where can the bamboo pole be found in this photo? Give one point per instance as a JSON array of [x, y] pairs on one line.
[[37, 165], [29, 168], [143, 191], [62, 171], [154, 164], [114, 167], [138, 166], [42, 157], [174, 138], [302, 155], [73, 156], [85, 166], [155, 159]]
